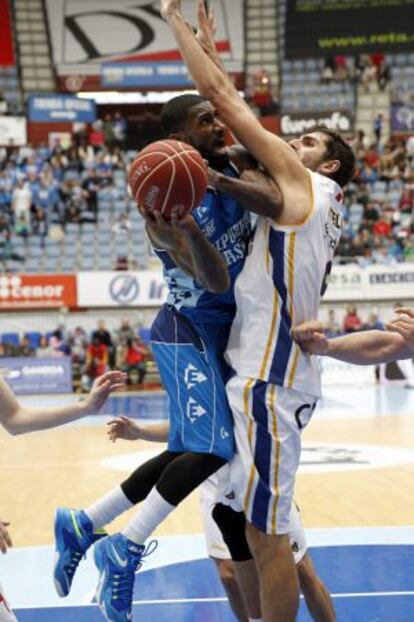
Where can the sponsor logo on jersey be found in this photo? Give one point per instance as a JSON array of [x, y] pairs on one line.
[[193, 376], [194, 410]]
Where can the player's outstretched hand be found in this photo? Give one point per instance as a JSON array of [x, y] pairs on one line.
[[5, 539], [102, 387], [169, 7], [206, 28], [122, 427], [404, 325], [310, 337]]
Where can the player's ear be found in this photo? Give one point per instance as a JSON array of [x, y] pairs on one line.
[[329, 167]]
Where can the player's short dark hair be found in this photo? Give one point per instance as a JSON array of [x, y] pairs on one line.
[[174, 114], [338, 149]]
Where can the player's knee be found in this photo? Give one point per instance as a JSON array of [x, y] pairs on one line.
[[232, 526], [226, 572], [306, 571]]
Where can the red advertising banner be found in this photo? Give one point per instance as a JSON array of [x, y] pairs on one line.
[[31, 291], [6, 36]]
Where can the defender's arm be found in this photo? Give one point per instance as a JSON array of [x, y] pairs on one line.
[[277, 157]]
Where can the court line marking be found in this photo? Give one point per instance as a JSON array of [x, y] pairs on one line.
[[218, 599]]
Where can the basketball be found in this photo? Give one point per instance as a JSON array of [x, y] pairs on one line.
[[168, 176]]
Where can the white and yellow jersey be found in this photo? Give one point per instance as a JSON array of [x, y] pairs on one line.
[[281, 285]]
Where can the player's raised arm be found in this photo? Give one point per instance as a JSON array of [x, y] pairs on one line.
[[362, 348], [18, 419], [278, 158]]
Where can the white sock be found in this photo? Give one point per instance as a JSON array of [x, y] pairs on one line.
[[255, 619], [108, 507], [151, 513]]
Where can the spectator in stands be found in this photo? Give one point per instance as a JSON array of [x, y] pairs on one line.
[[373, 322], [78, 342], [60, 347], [3, 103], [328, 70], [72, 213], [122, 224], [119, 130], [90, 191], [96, 137], [108, 131], [44, 349], [96, 363], [406, 202], [39, 222], [332, 326], [352, 322], [409, 249], [122, 263], [4, 225], [383, 75], [21, 227], [134, 357], [103, 334], [378, 123], [382, 227], [21, 201], [25, 348]]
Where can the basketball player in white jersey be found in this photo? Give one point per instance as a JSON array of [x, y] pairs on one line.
[[238, 578], [275, 387], [19, 419]]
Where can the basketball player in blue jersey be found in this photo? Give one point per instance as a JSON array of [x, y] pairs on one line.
[[202, 256], [275, 387]]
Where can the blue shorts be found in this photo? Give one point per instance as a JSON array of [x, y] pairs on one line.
[[190, 361]]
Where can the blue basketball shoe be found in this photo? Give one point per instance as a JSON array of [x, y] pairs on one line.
[[117, 559], [74, 534]]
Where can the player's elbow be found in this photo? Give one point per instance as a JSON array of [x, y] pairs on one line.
[[11, 427]]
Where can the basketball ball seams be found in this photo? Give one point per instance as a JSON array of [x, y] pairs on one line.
[[154, 170], [172, 178], [189, 155], [184, 163]]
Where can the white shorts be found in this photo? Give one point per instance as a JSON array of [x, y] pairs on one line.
[[6, 614], [268, 420], [216, 546]]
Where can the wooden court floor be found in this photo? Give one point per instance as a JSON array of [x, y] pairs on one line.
[[41, 471]]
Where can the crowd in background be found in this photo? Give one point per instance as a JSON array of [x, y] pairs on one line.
[[91, 354], [379, 204], [365, 69], [44, 189]]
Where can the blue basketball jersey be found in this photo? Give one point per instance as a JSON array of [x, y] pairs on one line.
[[227, 226]]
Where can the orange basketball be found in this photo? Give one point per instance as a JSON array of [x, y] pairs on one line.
[[168, 175]]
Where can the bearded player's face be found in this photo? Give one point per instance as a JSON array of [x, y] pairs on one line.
[[206, 132], [310, 149]]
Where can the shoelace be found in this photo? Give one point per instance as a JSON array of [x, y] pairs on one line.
[[123, 585], [75, 557], [149, 550]]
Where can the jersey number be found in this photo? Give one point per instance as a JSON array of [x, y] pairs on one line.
[[328, 271]]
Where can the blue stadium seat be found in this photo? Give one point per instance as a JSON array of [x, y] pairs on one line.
[[34, 339], [12, 339]]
